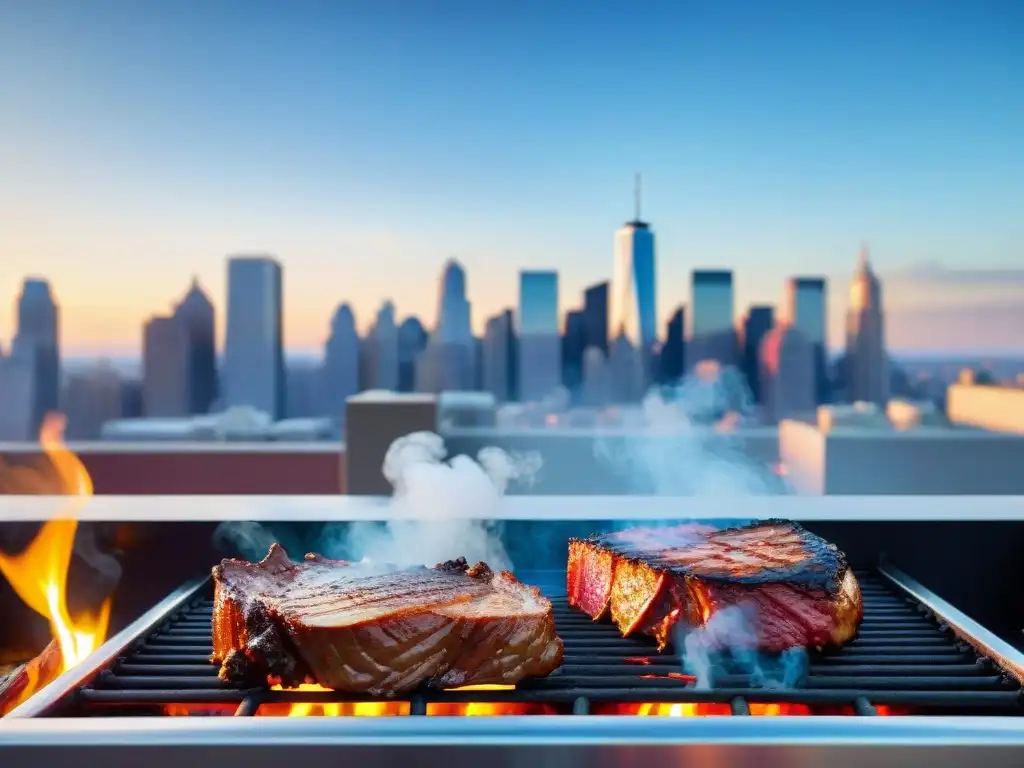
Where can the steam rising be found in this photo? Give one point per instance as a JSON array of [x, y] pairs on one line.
[[691, 446], [439, 508], [727, 645]]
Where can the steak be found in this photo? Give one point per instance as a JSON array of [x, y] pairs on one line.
[[795, 587], [353, 628]]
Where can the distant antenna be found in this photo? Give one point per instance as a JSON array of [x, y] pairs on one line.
[[864, 258], [637, 191]]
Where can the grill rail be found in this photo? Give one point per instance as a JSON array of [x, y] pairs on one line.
[[907, 655]]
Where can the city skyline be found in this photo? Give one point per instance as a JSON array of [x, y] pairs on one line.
[[364, 146], [837, 292]]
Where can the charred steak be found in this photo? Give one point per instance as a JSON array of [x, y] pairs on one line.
[[796, 587], [349, 628]]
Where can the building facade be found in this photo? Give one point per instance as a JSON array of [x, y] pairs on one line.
[[254, 373], [540, 353], [712, 309]]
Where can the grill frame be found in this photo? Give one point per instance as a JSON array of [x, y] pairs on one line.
[[904, 625]]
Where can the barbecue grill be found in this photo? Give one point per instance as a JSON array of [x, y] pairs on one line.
[[921, 683]]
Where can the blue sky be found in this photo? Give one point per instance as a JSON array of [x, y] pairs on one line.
[[365, 142]]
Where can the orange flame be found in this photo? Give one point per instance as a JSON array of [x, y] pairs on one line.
[[39, 574], [391, 708]]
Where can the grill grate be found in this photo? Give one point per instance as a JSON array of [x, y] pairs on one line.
[[902, 658]]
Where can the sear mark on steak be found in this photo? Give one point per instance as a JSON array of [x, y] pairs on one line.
[[797, 587], [381, 632]]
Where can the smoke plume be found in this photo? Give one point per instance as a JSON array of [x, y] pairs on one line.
[[440, 509], [691, 444], [727, 645]]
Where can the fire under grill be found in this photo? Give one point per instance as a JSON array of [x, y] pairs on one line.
[[909, 658]]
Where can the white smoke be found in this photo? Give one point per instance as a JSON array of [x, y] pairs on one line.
[[690, 443], [441, 507], [727, 645]]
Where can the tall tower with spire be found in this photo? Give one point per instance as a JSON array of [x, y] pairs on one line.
[[867, 364], [632, 311]]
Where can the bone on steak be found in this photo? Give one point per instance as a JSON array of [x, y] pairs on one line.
[[796, 588], [349, 628]]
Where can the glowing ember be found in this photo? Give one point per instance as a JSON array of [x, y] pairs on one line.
[[391, 708], [672, 676], [39, 574], [650, 709], [776, 710]]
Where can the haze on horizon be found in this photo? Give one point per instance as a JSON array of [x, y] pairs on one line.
[[363, 143]]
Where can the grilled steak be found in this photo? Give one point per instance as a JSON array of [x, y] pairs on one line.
[[796, 587], [348, 628]]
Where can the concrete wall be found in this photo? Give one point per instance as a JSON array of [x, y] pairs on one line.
[[934, 461], [802, 455], [372, 422], [585, 462], [999, 408], [186, 468]]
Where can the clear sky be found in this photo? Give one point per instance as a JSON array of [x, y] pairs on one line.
[[365, 141]]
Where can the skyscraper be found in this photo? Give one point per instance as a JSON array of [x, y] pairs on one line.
[[787, 374], [574, 341], [540, 354], [17, 398], [412, 338], [92, 398], [195, 311], [712, 334], [673, 351], [756, 325], [595, 316], [339, 375], [166, 368], [867, 365], [383, 341], [596, 382], [254, 345], [37, 345], [805, 307], [498, 352], [448, 361], [632, 311]]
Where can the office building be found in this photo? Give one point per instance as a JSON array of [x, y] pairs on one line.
[[805, 306], [498, 356], [254, 374], [867, 369], [17, 398], [632, 310], [756, 325], [382, 342], [92, 398], [712, 334], [37, 345], [166, 368], [574, 341], [673, 351], [196, 312], [991, 406], [863, 453], [339, 374], [448, 361], [787, 374], [595, 316], [540, 354], [412, 340]]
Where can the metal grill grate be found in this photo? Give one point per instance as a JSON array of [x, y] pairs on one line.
[[902, 658]]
